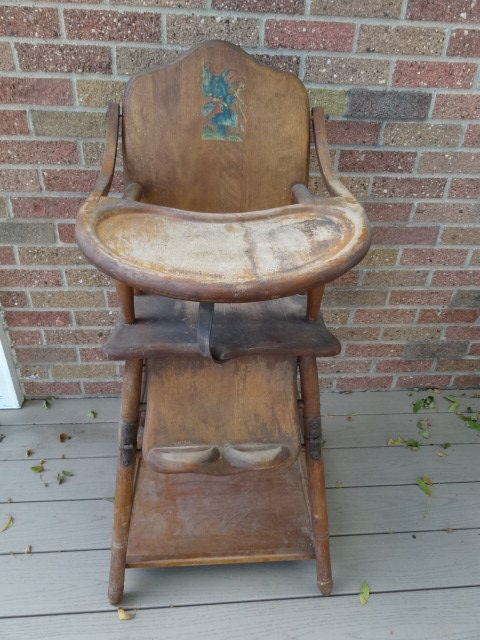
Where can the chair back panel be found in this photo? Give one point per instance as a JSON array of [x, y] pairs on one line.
[[215, 131]]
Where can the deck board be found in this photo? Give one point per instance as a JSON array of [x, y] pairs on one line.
[[420, 555]]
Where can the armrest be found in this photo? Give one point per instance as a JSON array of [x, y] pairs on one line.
[[105, 177], [332, 181]]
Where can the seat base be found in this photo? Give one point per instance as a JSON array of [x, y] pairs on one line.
[[193, 519]]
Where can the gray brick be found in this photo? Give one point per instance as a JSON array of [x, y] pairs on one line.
[[12, 232], [467, 299], [432, 349], [388, 105]]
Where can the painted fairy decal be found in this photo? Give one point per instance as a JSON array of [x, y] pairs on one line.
[[223, 106]]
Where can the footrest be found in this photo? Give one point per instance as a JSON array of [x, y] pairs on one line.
[[205, 417]]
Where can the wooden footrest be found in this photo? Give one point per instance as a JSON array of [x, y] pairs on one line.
[[191, 519]]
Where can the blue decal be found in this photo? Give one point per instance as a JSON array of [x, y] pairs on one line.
[[222, 106]]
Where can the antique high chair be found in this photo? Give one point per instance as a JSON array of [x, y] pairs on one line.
[[220, 255]]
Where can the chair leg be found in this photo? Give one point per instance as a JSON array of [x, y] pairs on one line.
[[127, 438], [315, 473]]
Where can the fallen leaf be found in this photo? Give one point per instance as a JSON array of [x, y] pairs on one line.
[[2, 436], [412, 444], [38, 468], [425, 483], [8, 523], [364, 594], [454, 403], [339, 484], [110, 499], [422, 430], [393, 443], [46, 404], [28, 549], [67, 474], [64, 436], [446, 445], [424, 403], [29, 452], [125, 615], [60, 478], [92, 414], [440, 454], [472, 422], [61, 475]]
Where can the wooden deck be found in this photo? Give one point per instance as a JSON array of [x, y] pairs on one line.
[[420, 555]]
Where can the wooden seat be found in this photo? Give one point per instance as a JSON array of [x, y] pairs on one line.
[[220, 256]]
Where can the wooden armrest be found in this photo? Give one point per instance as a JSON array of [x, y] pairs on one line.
[[105, 177], [224, 257], [332, 181]]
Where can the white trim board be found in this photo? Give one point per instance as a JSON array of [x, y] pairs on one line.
[[11, 396]]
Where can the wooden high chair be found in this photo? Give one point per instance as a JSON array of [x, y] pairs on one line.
[[216, 235]]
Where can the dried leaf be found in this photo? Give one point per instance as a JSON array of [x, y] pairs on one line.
[[64, 436], [425, 483], [8, 523], [29, 452], [393, 443], [339, 484], [364, 594], [92, 414], [28, 549], [46, 404], [440, 454], [110, 499], [125, 615], [38, 468]]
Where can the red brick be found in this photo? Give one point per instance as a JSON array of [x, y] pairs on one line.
[[465, 43], [451, 11], [121, 26], [404, 235], [76, 336], [66, 233], [454, 75], [374, 350], [46, 207], [13, 299], [37, 318], [408, 187], [190, 29], [445, 212], [396, 366], [13, 123], [357, 334], [447, 316], [341, 365], [388, 211], [102, 388], [25, 337], [92, 355], [370, 382], [441, 257], [29, 22], [64, 58], [19, 180], [395, 278], [48, 389], [403, 333], [361, 8], [474, 349], [464, 188], [261, 6], [466, 382], [472, 136], [30, 278], [463, 333], [346, 280], [314, 36], [46, 354], [461, 235], [6, 57], [456, 278], [423, 382], [451, 162], [384, 316], [417, 298], [95, 318], [377, 161], [7, 256], [35, 91], [38, 152], [400, 40], [456, 106], [339, 70], [69, 180], [355, 133]]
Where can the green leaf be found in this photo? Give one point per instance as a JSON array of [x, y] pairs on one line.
[[422, 430], [429, 402], [446, 445], [455, 403], [417, 405], [67, 474], [46, 404], [425, 483], [472, 423], [37, 468], [60, 478], [8, 523], [92, 414], [412, 444], [364, 594]]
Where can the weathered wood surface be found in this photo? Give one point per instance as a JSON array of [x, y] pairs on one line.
[[407, 616]]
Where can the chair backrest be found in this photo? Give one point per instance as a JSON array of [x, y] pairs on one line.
[[217, 132]]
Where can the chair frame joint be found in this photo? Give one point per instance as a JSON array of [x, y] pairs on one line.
[[315, 437]]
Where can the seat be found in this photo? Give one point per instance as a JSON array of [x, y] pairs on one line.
[[220, 256]]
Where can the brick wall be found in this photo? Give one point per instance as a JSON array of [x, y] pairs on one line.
[[400, 82]]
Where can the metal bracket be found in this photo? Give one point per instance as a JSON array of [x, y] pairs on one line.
[[126, 444], [314, 426], [204, 329]]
